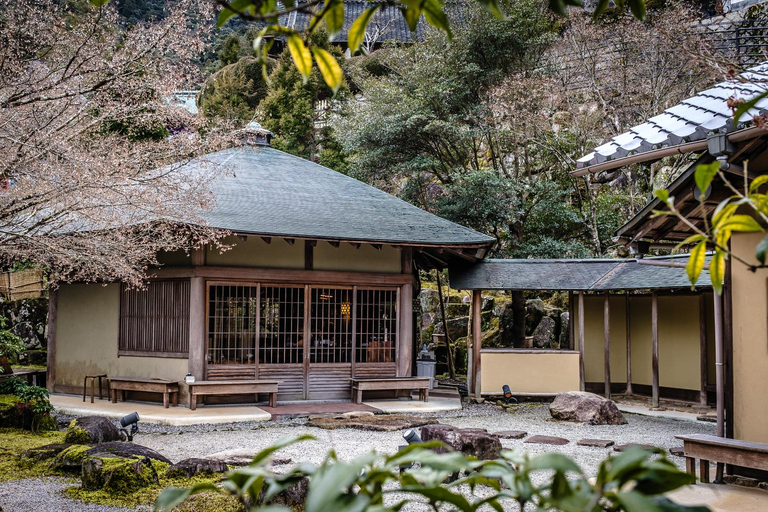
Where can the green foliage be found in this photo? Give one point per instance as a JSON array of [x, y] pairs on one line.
[[26, 406], [725, 220], [632, 481], [10, 344], [291, 107], [15, 442], [235, 91]]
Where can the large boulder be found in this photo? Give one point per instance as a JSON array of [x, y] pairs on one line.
[[534, 312], [474, 442], [92, 430], [118, 449], [118, 475], [506, 322], [544, 334], [429, 300], [582, 407], [194, 466], [49, 451]]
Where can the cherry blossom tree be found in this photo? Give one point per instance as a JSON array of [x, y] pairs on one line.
[[84, 128]]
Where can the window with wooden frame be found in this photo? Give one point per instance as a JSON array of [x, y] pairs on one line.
[[155, 321], [343, 323]]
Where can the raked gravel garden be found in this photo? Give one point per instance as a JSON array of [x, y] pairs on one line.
[[179, 443]]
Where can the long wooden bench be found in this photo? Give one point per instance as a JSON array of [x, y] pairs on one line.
[[390, 383], [169, 388], [719, 449], [232, 387]]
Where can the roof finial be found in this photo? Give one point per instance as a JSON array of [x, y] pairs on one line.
[[253, 135]]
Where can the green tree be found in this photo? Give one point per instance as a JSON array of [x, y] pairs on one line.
[[235, 91], [296, 110]]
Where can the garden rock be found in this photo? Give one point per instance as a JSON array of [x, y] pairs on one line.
[[544, 334], [92, 430], [119, 475], [71, 458], [473, 442], [583, 407], [534, 312], [595, 443], [511, 434], [565, 330], [506, 322], [292, 497], [46, 452], [381, 422], [557, 441], [194, 466], [118, 449]]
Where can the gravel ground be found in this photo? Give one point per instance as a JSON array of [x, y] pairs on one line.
[[44, 495], [178, 443]]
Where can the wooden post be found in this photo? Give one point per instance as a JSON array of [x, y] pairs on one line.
[[53, 309], [477, 338], [571, 325], [628, 314], [704, 370], [307, 334], [655, 354], [607, 344], [581, 341], [197, 330], [405, 320]]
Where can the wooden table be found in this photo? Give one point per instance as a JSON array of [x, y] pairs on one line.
[[389, 383], [169, 388], [721, 450], [232, 387]]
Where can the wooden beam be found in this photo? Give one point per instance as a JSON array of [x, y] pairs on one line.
[[655, 349], [265, 275], [334, 244], [703, 365], [628, 314], [197, 327], [290, 241], [355, 245], [309, 257], [477, 339], [53, 313], [405, 335], [581, 341], [197, 256], [607, 344], [267, 239], [376, 246]]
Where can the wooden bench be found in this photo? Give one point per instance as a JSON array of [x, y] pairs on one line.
[[232, 387], [721, 450], [169, 388], [389, 383]]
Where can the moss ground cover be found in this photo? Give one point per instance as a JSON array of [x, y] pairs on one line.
[[14, 442]]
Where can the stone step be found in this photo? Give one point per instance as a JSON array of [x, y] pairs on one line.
[[595, 443], [558, 441], [510, 434]]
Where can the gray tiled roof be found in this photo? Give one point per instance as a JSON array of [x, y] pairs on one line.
[[264, 191], [691, 120], [388, 22], [573, 275]]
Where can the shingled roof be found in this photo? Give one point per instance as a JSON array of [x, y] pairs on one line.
[[575, 275], [263, 191], [684, 127], [387, 23]]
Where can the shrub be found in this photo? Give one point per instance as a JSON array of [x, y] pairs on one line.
[[632, 481]]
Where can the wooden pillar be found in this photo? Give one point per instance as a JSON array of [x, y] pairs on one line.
[[405, 320], [607, 344], [628, 314], [197, 328], [53, 308], [703, 366], [655, 349], [571, 324], [477, 339], [581, 341], [198, 296], [307, 334]]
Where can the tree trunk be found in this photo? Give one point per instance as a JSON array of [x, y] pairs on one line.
[[448, 348], [518, 319]]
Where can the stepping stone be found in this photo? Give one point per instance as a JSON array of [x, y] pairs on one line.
[[595, 443], [622, 447], [677, 451], [510, 434], [559, 441]]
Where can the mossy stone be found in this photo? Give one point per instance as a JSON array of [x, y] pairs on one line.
[[76, 435], [118, 475], [72, 457]]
